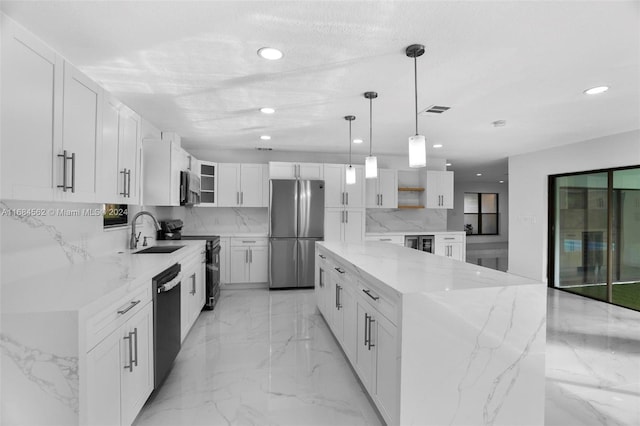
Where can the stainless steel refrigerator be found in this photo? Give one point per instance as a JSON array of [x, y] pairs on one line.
[[296, 222]]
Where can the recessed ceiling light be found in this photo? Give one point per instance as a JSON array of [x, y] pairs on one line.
[[270, 53], [438, 145], [357, 141], [478, 174], [596, 90], [267, 110], [499, 123], [265, 137], [448, 164], [501, 181]]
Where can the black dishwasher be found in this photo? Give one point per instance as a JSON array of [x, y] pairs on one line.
[[166, 321]]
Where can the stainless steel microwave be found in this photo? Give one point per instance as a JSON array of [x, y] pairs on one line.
[[189, 188]]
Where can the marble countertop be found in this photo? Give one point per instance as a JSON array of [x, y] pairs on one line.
[[382, 234], [411, 271], [244, 234], [89, 286]]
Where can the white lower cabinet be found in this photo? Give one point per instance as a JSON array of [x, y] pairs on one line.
[[248, 260], [359, 315], [120, 371], [450, 245], [192, 293]]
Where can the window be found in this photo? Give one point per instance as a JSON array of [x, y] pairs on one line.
[[481, 213]]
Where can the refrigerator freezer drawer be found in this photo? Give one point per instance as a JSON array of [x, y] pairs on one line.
[[283, 255]]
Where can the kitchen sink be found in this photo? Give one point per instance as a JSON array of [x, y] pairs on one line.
[[159, 249]]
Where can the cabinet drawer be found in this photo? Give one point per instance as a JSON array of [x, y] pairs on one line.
[[384, 301], [449, 238], [106, 321], [393, 239], [248, 241]]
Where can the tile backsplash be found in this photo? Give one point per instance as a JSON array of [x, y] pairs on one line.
[[391, 220], [219, 220]]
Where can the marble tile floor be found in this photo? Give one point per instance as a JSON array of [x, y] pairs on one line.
[[268, 358]]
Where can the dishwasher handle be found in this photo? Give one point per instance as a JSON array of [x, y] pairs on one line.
[[170, 285]]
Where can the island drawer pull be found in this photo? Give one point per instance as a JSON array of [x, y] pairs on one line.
[[248, 242], [339, 270], [128, 308], [368, 293], [385, 239]]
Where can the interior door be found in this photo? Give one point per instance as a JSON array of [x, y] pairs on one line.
[[283, 257], [306, 261]]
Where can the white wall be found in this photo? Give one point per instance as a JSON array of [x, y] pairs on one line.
[[528, 192], [455, 217]]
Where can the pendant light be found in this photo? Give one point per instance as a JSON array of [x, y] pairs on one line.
[[370, 162], [417, 143], [350, 177]]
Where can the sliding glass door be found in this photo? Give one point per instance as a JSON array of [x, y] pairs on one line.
[[626, 238], [594, 235]]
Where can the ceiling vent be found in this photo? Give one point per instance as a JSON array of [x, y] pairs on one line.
[[264, 149], [435, 109]]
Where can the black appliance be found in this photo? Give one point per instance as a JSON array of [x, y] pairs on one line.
[[166, 321], [212, 264], [420, 242], [170, 230], [189, 188]]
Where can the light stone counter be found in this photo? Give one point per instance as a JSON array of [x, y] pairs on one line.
[[44, 336], [471, 340], [382, 234]]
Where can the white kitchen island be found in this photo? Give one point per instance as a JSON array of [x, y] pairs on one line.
[[433, 340]]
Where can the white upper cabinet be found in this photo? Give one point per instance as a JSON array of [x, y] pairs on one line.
[[163, 162], [337, 193], [31, 111], [382, 192], [284, 170], [81, 132], [120, 159], [439, 190], [241, 185]]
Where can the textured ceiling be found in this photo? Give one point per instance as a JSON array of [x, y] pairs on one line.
[[192, 68]]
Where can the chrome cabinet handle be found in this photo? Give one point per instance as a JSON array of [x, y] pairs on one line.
[[128, 308], [129, 183], [322, 256], [339, 270], [346, 215], [130, 339], [347, 197], [248, 242], [338, 302], [124, 182], [193, 284], [385, 239], [65, 158], [250, 256], [246, 256], [73, 172], [370, 345], [366, 324], [135, 346], [368, 293], [241, 198]]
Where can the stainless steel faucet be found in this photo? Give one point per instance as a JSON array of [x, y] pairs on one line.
[[133, 242]]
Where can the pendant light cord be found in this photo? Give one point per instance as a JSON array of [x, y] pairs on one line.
[[349, 143], [415, 73], [370, 126]]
